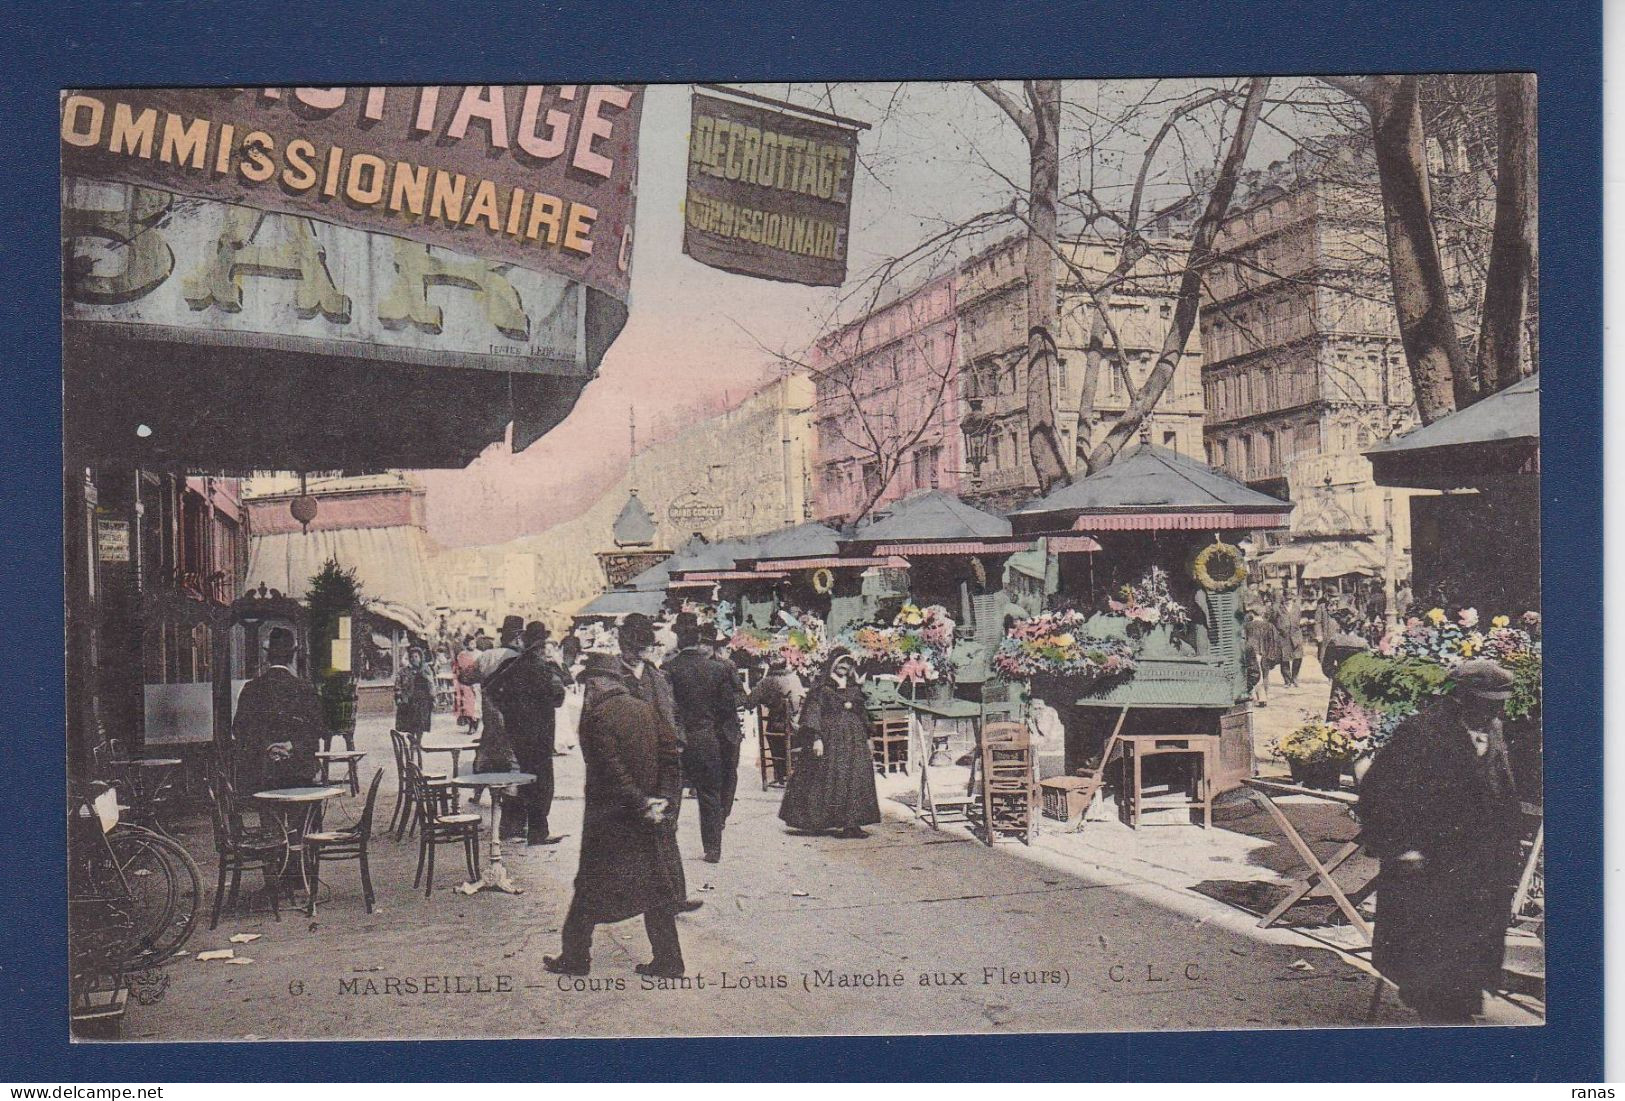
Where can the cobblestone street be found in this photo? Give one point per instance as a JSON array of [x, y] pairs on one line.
[[910, 931]]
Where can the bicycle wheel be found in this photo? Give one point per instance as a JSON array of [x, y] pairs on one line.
[[165, 891], [186, 887]]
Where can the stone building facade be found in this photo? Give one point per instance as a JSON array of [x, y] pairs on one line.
[[970, 327], [741, 472], [887, 404], [1301, 347]]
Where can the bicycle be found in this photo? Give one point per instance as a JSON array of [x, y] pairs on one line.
[[133, 894]]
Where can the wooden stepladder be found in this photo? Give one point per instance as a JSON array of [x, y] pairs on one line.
[[773, 751]]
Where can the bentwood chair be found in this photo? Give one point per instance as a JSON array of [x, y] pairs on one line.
[[348, 843], [440, 823], [408, 772], [238, 850]]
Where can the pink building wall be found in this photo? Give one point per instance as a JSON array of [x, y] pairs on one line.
[[903, 360]]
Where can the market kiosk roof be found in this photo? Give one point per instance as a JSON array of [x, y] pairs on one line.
[[806, 540], [932, 516], [1498, 435], [621, 602], [1153, 489]]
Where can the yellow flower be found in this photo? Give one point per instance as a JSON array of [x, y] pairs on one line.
[[1500, 621], [1064, 640], [1468, 646], [1436, 616]]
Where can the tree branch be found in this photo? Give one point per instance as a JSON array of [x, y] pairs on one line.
[[1021, 116]]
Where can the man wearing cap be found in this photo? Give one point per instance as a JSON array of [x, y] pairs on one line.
[[277, 727], [707, 696], [528, 691], [1438, 808]]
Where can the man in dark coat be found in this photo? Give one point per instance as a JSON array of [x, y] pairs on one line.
[[1439, 810], [1258, 637], [707, 696], [278, 724], [636, 670], [528, 691], [628, 836], [1289, 636]]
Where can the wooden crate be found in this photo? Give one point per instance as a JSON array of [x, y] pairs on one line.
[[1066, 798]]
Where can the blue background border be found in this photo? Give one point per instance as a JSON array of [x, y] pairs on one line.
[[412, 41]]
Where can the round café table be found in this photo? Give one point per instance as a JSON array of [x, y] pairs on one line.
[[495, 877], [455, 746], [286, 803]]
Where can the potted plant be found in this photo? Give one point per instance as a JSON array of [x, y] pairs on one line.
[[335, 592], [1316, 753]]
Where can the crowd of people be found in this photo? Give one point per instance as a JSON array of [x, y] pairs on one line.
[[661, 706], [1336, 624]]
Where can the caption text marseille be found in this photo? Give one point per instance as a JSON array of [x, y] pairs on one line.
[[810, 981]]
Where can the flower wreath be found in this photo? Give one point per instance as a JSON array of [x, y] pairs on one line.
[[1201, 568], [823, 581]]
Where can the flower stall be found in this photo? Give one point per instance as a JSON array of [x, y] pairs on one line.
[[1166, 587], [1377, 690]]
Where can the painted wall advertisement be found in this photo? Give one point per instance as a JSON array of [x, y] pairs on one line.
[[769, 193], [482, 225]]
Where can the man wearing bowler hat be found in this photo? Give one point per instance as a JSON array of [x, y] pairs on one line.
[[528, 691], [1438, 808], [636, 671], [277, 727], [706, 691]]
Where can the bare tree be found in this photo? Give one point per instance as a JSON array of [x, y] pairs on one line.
[[1443, 376], [1039, 120]]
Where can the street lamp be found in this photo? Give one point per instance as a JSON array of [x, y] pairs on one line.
[[978, 431]]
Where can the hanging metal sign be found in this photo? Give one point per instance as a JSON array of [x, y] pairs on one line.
[[769, 193]]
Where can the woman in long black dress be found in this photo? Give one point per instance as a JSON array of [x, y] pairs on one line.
[[833, 784]]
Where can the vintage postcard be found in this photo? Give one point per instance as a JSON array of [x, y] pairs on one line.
[[1011, 556]]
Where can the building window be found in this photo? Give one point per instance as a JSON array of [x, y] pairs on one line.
[[1170, 440]]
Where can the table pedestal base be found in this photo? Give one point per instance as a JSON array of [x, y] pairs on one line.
[[494, 877]]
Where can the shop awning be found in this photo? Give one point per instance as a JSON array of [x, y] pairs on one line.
[[731, 575], [1072, 544], [1180, 521], [977, 546], [1325, 558], [390, 562], [833, 562]]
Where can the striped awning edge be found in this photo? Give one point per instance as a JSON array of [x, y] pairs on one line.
[[831, 562], [1179, 521]]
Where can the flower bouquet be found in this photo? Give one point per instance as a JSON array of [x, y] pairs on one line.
[[805, 645], [1316, 753], [1055, 644], [915, 647], [802, 646], [1148, 603]]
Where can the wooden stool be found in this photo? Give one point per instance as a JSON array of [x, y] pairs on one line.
[[1009, 795]]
